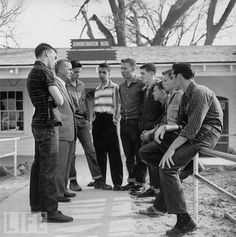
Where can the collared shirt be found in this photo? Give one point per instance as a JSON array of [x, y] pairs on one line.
[[131, 99], [78, 96], [46, 113], [201, 108], [106, 99], [61, 81]]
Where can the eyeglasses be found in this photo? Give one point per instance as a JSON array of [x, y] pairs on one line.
[[100, 72]]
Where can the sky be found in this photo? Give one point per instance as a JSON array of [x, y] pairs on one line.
[[50, 21]]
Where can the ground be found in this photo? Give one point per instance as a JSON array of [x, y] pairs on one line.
[[212, 206]]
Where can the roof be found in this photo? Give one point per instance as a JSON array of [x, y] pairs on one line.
[[155, 54]]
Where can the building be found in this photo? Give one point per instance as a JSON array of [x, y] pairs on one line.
[[215, 67]]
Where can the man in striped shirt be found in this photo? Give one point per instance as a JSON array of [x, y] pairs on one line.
[[106, 116]]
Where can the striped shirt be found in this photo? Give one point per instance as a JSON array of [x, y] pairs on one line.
[[106, 99]]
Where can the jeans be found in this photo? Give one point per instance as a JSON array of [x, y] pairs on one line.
[[171, 196], [130, 137], [106, 142], [85, 139], [43, 193]]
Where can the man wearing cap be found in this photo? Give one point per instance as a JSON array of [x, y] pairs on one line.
[[202, 112]]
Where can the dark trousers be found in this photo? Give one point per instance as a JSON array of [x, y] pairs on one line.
[[171, 196], [106, 142], [130, 137], [85, 139], [43, 193], [151, 153]]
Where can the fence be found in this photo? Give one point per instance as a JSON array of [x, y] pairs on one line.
[[218, 189], [14, 153]]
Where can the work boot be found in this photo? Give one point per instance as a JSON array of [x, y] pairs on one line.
[[99, 184], [56, 217], [74, 186]]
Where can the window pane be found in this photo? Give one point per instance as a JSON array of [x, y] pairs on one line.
[[12, 116], [12, 125], [4, 121], [19, 116], [4, 104], [20, 125], [19, 105], [11, 104], [11, 94], [19, 95], [3, 95]]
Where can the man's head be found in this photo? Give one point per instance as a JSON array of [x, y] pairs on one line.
[[128, 66], [46, 54], [182, 73], [104, 72], [63, 69], [76, 69], [148, 72], [159, 93], [168, 82]]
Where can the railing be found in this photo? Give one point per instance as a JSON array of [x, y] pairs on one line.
[[14, 153], [213, 186]]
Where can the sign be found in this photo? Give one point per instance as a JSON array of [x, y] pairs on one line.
[[89, 43]]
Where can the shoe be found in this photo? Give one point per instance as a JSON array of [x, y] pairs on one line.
[[35, 210], [74, 186], [117, 187], [175, 231], [151, 211], [68, 194], [127, 186], [148, 193], [189, 171], [63, 199], [102, 185], [91, 184], [57, 217]]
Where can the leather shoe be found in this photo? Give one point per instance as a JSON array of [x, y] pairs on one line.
[[74, 186], [127, 187], [63, 199], [101, 185], [91, 184], [68, 194], [148, 193], [189, 227], [117, 188], [151, 211], [57, 217]]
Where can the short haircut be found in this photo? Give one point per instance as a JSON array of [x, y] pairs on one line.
[[159, 85], [76, 64], [105, 65], [43, 47], [59, 64], [131, 61], [149, 67], [184, 69]]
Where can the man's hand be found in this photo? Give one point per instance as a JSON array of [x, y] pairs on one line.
[[159, 133], [115, 121], [167, 159]]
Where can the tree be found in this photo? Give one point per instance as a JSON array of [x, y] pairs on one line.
[[162, 22], [9, 11]]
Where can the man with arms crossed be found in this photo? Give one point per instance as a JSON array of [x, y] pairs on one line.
[[45, 97]]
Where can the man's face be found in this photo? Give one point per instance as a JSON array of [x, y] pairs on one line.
[[76, 73], [52, 57], [103, 74], [177, 80], [127, 71], [146, 76], [159, 94], [67, 71], [168, 83]]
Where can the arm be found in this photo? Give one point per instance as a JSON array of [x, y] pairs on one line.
[[56, 94], [116, 101]]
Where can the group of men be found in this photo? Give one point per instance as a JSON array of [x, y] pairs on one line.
[[163, 124]]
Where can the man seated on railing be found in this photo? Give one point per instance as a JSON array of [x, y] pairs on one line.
[[204, 120]]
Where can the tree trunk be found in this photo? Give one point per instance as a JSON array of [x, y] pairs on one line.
[[175, 12]]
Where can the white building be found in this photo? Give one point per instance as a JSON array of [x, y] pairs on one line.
[[215, 67]]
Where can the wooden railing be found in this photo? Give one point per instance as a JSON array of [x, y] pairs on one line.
[[213, 186], [14, 153]]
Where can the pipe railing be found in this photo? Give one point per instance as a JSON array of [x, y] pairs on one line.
[[213, 186], [14, 153]]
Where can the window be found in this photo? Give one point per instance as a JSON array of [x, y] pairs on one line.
[[11, 111]]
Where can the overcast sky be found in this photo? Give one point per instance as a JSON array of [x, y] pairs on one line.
[[49, 21]]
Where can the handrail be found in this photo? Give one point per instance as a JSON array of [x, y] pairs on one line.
[[14, 153], [197, 177]]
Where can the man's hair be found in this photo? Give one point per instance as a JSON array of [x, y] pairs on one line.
[[149, 67], [131, 61], [41, 48], [76, 64], [184, 69], [105, 65], [158, 84], [60, 63]]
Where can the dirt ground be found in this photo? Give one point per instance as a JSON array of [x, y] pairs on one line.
[[212, 206]]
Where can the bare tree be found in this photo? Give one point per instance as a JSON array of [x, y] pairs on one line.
[[9, 11]]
